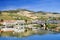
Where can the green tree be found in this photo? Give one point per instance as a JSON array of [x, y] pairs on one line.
[[1, 20]]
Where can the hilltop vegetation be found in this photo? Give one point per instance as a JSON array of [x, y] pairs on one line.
[[23, 14], [12, 15]]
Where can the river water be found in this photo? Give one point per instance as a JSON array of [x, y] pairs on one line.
[[35, 37]]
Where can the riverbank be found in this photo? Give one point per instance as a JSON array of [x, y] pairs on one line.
[[24, 34]]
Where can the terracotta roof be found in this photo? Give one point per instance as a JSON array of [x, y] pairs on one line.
[[9, 21]]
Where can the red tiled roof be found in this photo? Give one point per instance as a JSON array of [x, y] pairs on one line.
[[9, 21]]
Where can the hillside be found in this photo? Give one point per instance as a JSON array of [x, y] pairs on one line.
[[23, 14]]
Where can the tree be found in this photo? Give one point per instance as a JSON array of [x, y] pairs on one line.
[[0, 12], [26, 21], [1, 20]]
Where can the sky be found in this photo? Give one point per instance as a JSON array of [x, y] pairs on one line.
[[34, 5]]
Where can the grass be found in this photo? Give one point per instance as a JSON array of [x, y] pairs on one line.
[[7, 34], [9, 16]]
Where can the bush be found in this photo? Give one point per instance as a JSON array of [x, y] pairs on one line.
[[37, 25]]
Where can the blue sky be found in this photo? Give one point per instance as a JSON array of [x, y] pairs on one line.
[[34, 5]]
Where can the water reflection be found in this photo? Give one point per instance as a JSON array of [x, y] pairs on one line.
[[25, 34], [35, 37]]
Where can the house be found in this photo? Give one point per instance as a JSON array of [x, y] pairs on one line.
[[19, 22], [19, 28], [38, 21], [9, 22], [54, 21], [16, 28], [13, 22], [7, 29]]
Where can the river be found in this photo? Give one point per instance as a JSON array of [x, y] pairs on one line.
[[35, 37]]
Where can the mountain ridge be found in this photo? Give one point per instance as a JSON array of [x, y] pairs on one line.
[[26, 14], [17, 10]]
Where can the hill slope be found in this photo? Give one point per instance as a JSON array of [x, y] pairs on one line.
[[23, 14]]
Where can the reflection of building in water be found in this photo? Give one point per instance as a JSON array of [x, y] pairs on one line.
[[44, 26]]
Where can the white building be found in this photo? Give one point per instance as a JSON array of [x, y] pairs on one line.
[[7, 29], [19, 22], [16, 28], [19, 28]]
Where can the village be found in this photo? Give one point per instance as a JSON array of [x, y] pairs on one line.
[[24, 22], [22, 25], [17, 25]]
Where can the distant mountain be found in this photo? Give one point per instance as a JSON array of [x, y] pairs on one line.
[[27, 13], [17, 10], [55, 13]]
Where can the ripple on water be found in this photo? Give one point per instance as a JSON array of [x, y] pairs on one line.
[[35, 37]]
